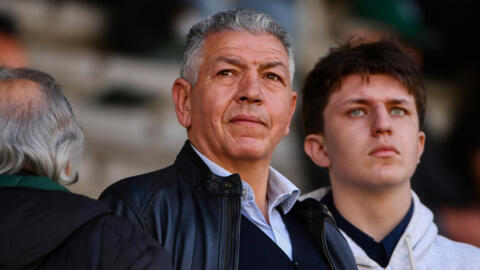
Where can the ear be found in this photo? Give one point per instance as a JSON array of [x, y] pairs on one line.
[[421, 144], [68, 168], [293, 104], [315, 148], [181, 94]]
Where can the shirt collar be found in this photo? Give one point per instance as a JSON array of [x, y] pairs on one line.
[[280, 191], [382, 251]]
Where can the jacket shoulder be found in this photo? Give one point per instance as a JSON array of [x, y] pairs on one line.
[[132, 197], [140, 188], [150, 181]]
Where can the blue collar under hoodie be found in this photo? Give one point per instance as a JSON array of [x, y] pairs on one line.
[[420, 247]]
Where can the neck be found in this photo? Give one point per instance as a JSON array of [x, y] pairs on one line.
[[375, 212], [256, 175], [253, 171]]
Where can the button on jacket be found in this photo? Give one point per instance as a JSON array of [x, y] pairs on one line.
[[196, 215]]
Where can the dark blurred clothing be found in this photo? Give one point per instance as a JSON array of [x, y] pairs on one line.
[[43, 226]]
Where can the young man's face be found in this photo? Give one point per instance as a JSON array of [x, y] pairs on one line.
[[242, 103], [371, 135]]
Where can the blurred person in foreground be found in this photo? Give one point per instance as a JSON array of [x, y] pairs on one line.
[[363, 109], [12, 52], [221, 205], [42, 224]]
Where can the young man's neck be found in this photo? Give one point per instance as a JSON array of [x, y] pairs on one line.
[[375, 212]]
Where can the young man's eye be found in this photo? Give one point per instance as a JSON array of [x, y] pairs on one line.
[[356, 112], [397, 111]]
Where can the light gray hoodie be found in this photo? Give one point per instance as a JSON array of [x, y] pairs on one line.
[[420, 247]]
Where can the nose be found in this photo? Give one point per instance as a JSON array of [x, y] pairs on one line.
[[381, 122], [249, 89]]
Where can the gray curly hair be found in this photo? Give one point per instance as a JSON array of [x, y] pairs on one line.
[[233, 20], [38, 129]]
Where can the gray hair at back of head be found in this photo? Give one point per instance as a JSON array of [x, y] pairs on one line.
[[46, 138], [249, 20]]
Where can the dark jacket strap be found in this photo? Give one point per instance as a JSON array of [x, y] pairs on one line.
[[321, 226]]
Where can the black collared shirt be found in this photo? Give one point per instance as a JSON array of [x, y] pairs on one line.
[[379, 252]]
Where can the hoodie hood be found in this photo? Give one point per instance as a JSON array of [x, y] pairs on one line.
[[420, 246], [35, 221]]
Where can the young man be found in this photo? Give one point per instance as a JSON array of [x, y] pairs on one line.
[[221, 205], [363, 109]]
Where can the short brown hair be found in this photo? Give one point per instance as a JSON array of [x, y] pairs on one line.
[[385, 56]]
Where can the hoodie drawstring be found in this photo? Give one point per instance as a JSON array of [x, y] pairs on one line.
[[410, 252]]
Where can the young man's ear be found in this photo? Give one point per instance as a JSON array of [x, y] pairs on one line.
[[181, 94], [315, 148], [421, 144]]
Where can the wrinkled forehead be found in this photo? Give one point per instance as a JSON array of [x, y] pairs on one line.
[[264, 44], [20, 97]]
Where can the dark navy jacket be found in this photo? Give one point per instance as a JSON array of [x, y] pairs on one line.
[[43, 226], [196, 216]]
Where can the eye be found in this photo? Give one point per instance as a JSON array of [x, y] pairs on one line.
[[356, 112], [225, 72], [397, 111], [273, 76]]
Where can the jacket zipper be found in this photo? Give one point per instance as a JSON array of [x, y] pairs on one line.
[[230, 233]]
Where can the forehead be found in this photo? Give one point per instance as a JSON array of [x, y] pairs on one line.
[[374, 88], [249, 47]]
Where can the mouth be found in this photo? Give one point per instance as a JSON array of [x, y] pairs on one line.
[[247, 120], [384, 151]]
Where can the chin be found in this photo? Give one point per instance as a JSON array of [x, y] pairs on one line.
[[250, 149], [388, 178]]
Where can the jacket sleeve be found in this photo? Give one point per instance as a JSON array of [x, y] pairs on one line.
[[338, 247], [321, 227], [123, 207], [124, 246]]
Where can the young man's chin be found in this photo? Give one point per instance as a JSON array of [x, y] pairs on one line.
[[384, 182]]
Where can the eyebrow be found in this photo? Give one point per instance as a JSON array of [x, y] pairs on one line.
[[362, 101], [272, 64], [239, 63], [229, 60]]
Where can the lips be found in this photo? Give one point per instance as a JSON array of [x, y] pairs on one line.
[[384, 151], [247, 119]]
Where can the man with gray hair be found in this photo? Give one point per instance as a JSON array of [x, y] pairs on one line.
[[221, 205], [42, 225]]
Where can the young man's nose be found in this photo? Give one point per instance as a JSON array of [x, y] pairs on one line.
[[249, 89], [381, 121]]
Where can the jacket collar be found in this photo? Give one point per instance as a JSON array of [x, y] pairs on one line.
[[197, 173], [29, 181]]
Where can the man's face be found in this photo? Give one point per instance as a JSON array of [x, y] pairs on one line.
[[371, 134], [242, 102]]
